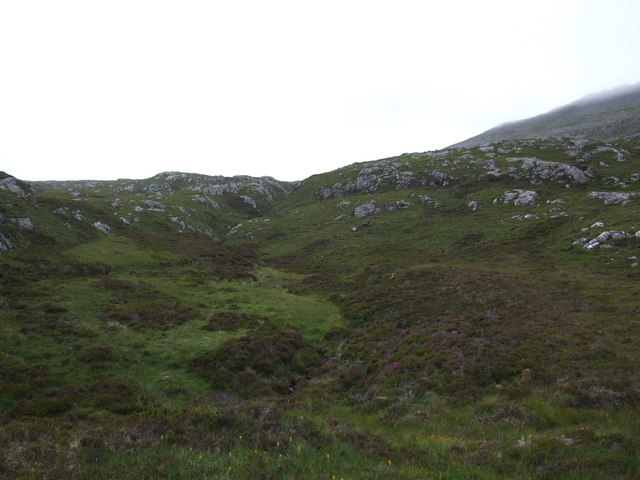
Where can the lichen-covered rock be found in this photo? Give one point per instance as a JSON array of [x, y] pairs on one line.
[[24, 222], [520, 197], [618, 153], [561, 172], [19, 188], [398, 205], [603, 239], [234, 230], [365, 210], [153, 205], [249, 201], [5, 244], [427, 200], [101, 227], [61, 211], [374, 175], [180, 222], [614, 198], [206, 201], [437, 178]]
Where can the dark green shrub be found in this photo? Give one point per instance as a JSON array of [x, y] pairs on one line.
[[261, 362], [43, 406], [229, 320]]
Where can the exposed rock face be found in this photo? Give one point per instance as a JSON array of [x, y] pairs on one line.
[[614, 198], [365, 210], [268, 187], [15, 186], [384, 173]]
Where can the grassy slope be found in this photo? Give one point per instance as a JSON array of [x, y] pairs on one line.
[[436, 341]]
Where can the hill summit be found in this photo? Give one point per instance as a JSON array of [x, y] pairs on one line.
[[607, 115]]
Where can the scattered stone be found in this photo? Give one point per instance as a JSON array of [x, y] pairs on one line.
[[528, 216], [606, 236], [206, 201], [618, 154], [61, 211], [234, 230], [520, 197], [249, 201], [365, 210], [427, 200], [473, 205], [102, 227], [567, 441], [152, 206], [24, 222], [399, 205], [614, 198]]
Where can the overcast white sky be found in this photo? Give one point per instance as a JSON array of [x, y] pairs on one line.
[[129, 88]]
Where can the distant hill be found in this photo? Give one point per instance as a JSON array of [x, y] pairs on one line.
[[603, 116]]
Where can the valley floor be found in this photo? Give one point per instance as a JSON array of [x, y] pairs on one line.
[[125, 359]]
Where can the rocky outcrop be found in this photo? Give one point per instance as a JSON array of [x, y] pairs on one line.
[[540, 170], [393, 173], [19, 188]]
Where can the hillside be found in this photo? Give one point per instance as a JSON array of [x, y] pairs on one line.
[[606, 116], [465, 313], [73, 211]]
